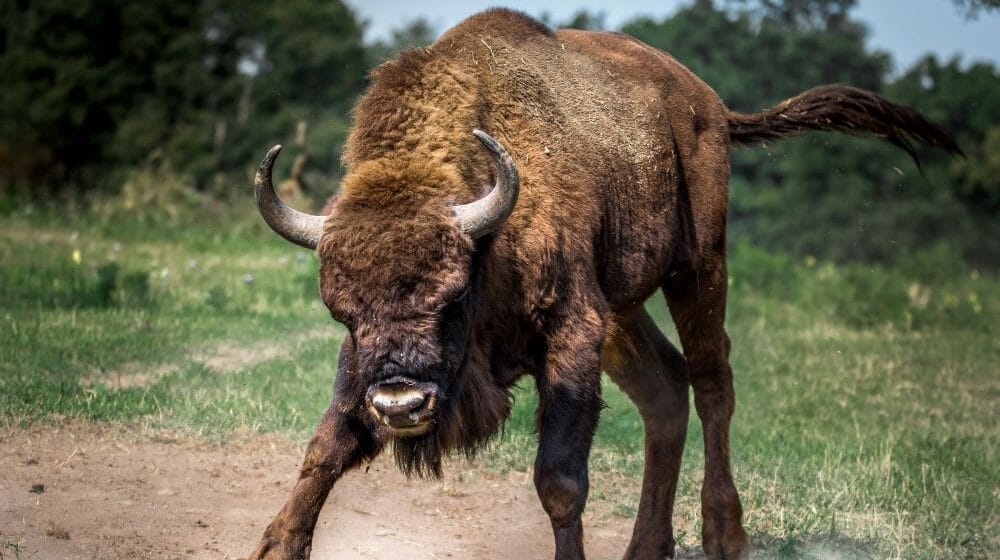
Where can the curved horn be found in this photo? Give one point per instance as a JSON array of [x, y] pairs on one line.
[[299, 228], [485, 215]]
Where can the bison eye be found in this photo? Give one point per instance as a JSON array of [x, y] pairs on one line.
[[462, 295]]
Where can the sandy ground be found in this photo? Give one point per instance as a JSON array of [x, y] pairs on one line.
[[113, 494]]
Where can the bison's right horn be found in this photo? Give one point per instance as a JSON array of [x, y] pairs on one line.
[[485, 215], [299, 228]]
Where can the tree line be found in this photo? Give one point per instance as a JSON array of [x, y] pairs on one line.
[[95, 88]]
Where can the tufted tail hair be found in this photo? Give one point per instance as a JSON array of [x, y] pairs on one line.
[[843, 109]]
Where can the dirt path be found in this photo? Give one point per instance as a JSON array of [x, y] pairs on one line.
[[110, 494]]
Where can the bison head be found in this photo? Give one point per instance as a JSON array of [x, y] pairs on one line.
[[397, 268]]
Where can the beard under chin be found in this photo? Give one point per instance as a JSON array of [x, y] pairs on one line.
[[465, 423], [452, 431], [422, 455], [419, 455]]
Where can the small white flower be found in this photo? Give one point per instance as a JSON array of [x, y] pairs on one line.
[[248, 279]]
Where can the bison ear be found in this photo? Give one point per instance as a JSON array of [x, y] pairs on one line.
[[487, 214], [299, 228]]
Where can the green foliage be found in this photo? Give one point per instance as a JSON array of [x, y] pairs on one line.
[[204, 85], [73, 70]]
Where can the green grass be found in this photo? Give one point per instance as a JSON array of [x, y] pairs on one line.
[[866, 422]]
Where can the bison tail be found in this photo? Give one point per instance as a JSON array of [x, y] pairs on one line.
[[843, 109]]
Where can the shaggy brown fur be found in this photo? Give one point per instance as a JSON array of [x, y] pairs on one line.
[[623, 157]]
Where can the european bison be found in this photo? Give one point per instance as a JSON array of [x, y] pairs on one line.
[[609, 170]]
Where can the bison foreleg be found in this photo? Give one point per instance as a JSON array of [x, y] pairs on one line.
[[341, 442], [568, 410]]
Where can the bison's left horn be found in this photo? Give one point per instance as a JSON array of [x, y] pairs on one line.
[[485, 215], [297, 227]]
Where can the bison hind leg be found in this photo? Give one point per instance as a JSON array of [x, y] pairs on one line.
[[652, 372], [697, 301]]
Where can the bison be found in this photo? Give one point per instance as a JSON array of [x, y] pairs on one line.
[[512, 196]]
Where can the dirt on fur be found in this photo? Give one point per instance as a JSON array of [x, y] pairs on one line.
[[82, 491]]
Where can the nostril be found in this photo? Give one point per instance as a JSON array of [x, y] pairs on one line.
[[397, 401]]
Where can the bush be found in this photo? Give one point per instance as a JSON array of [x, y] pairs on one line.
[[756, 269], [937, 265], [868, 297], [930, 289], [151, 195]]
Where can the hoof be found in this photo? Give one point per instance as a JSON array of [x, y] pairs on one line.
[[271, 549], [734, 545]]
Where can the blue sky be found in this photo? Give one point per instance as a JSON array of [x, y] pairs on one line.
[[906, 28]]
